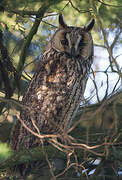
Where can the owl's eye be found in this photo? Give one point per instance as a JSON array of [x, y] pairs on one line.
[[64, 42], [82, 43]]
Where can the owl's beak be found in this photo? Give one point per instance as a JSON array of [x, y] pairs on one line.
[[72, 51]]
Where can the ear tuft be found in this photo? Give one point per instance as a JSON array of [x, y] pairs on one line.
[[61, 22], [89, 26]]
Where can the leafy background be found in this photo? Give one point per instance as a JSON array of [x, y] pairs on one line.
[[24, 40]]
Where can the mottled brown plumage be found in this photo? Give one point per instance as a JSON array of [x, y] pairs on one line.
[[57, 87]]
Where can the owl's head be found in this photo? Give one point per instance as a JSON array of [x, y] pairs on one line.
[[75, 41]]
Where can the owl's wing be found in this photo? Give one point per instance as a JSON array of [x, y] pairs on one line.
[[45, 99], [52, 97]]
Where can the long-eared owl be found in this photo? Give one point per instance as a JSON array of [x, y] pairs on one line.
[[57, 87]]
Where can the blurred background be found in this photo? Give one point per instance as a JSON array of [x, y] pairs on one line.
[[25, 28]]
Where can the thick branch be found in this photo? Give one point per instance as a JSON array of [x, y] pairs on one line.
[[32, 32], [20, 12]]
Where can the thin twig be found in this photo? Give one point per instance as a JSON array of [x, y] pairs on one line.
[[108, 4], [36, 134], [79, 10]]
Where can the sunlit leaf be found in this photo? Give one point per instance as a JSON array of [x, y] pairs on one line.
[[5, 151]]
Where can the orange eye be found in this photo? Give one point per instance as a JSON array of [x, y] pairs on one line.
[[64, 42], [81, 43]]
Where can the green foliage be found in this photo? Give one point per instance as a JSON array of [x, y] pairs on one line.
[[78, 13], [5, 152], [24, 43]]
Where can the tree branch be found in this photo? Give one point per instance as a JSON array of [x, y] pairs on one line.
[[32, 32]]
